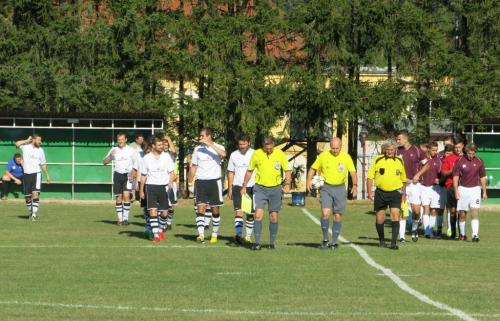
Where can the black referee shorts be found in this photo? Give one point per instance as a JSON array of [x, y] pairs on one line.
[[385, 199]]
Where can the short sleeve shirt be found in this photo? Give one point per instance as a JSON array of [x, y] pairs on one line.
[[125, 159], [157, 169], [413, 158], [269, 167], [469, 171], [430, 176], [207, 162], [33, 158], [14, 168], [448, 165], [238, 164], [388, 172], [334, 169]]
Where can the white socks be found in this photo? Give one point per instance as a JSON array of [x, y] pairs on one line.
[[402, 229], [475, 226]]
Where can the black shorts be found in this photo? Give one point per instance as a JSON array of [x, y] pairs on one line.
[[121, 184], [451, 201], [32, 183], [387, 199], [209, 192], [156, 196], [237, 197]]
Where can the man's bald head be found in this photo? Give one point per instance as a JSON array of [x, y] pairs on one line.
[[335, 145]]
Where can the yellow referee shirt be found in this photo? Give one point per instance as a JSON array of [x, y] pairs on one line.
[[268, 167], [334, 169], [388, 172]]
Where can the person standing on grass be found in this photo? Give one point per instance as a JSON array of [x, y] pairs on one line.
[[414, 160], [125, 160], [33, 160], [167, 217], [13, 173], [206, 169], [447, 172], [388, 172], [469, 177], [157, 176], [335, 166], [268, 164], [137, 145], [236, 170]]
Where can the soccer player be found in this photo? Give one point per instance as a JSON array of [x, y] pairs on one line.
[[413, 159], [124, 160], [431, 192], [138, 143], [138, 146], [206, 169], [268, 163], [236, 170], [13, 173], [388, 171], [33, 159], [157, 176], [335, 165], [166, 218], [469, 177], [447, 171]]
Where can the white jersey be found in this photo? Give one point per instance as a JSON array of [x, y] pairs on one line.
[[208, 162], [157, 169], [125, 159], [33, 158], [238, 164], [136, 147]]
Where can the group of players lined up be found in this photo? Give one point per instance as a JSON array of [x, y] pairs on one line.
[[419, 175]]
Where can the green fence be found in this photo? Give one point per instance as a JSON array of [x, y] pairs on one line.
[[74, 157]]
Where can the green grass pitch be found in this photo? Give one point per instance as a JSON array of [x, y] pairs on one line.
[[75, 264]]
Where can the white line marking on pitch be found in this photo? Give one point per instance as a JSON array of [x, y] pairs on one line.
[[151, 246], [396, 279]]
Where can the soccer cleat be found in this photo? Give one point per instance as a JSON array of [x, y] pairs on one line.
[[414, 237], [207, 227], [200, 239], [402, 240], [237, 239], [381, 244], [256, 247], [272, 247], [156, 239], [125, 222], [161, 235], [475, 238], [325, 245], [119, 222], [335, 247], [427, 236], [33, 217], [213, 239], [248, 239], [148, 235], [394, 247], [462, 238]]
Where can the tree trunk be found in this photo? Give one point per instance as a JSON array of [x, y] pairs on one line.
[[183, 184]]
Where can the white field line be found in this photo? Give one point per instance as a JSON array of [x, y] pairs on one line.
[[150, 246], [221, 311], [397, 280]]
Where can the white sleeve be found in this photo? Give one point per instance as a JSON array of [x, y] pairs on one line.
[[43, 161], [23, 147], [194, 159], [170, 166], [135, 160], [230, 164], [109, 153]]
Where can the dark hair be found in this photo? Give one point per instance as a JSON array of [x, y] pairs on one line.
[[156, 140], [433, 144], [35, 135], [404, 132], [121, 134], [448, 138], [268, 140], [138, 135], [448, 148], [471, 146], [16, 155], [458, 140], [244, 138], [208, 131]]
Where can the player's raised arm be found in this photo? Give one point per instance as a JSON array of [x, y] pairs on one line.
[[21, 142]]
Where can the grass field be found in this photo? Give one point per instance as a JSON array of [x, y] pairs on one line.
[[75, 264]]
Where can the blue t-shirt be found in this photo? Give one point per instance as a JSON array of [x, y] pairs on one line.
[[14, 168]]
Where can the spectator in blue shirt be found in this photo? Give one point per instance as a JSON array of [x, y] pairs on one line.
[[13, 173]]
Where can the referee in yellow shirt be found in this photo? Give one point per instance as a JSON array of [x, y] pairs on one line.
[[388, 171], [335, 166], [268, 162]]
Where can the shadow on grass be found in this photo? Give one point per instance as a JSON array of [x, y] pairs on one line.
[[371, 238], [187, 225], [303, 244], [24, 217], [107, 222], [136, 234]]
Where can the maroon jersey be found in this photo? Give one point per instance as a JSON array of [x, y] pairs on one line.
[[413, 158], [469, 171], [429, 177]]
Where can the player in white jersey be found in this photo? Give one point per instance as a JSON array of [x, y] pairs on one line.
[[206, 168], [157, 177], [166, 218], [124, 160], [236, 169], [138, 146], [33, 160]]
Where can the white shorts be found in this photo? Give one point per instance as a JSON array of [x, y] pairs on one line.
[[413, 192], [431, 196], [470, 198]]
